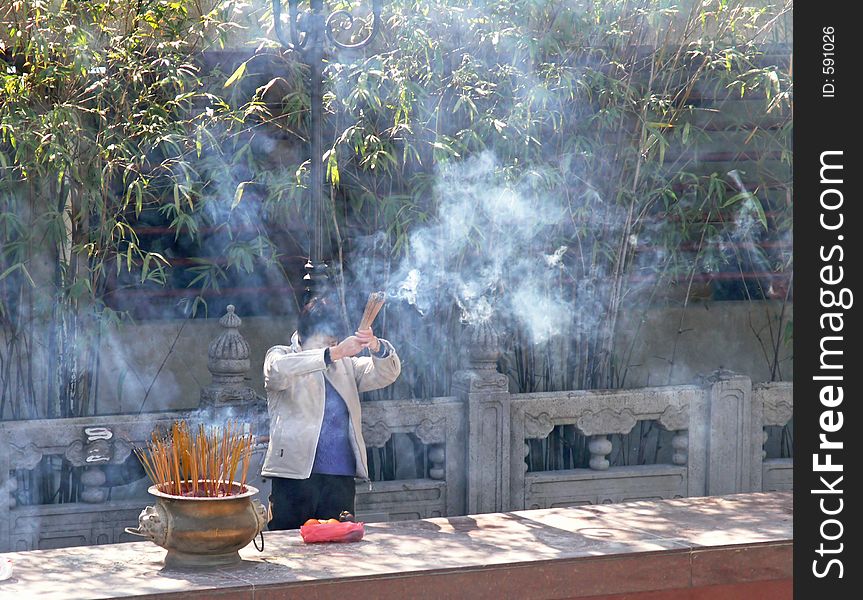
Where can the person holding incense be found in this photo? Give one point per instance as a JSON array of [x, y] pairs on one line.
[[313, 389]]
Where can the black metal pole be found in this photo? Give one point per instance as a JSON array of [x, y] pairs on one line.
[[308, 37], [319, 250], [315, 60]]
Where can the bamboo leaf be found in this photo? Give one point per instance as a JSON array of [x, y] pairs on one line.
[[238, 73], [733, 199], [759, 209], [333, 169], [238, 194], [145, 267], [139, 199], [18, 267]]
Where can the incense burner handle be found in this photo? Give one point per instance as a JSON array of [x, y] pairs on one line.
[[261, 515], [152, 524]]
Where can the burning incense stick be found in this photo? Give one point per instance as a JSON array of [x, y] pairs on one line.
[[204, 463], [373, 307]]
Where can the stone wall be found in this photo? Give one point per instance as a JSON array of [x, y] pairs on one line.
[[713, 335]]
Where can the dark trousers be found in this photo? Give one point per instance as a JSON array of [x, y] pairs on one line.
[[295, 501]]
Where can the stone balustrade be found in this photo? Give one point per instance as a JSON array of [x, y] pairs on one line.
[[89, 443], [438, 424], [717, 432], [475, 445]]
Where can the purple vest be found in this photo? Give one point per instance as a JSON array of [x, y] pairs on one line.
[[334, 454]]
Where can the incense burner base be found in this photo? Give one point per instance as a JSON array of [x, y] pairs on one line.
[[186, 560], [200, 532]]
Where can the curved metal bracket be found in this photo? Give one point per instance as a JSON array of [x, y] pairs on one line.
[[348, 24], [299, 36]]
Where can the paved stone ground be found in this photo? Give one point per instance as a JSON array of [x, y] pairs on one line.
[[590, 551]]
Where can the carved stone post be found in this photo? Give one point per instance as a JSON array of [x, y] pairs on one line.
[[8, 487], [13, 457], [228, 362], [485, 393], [733, 435], [777, 408]]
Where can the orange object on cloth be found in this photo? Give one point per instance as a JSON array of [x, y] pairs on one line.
[[333, 532]]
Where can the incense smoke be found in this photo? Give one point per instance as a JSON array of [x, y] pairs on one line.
[[486, 250]]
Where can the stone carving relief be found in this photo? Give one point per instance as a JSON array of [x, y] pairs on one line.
[[537, 427], [484, 343], [431, 432], [720, 375], [24, 458], [675, 418], [777, 412], [99, 446], [19, 458], [606, 421], [376, 435], [477, 382]]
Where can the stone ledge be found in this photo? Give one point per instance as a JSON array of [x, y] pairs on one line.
[[720, 546]]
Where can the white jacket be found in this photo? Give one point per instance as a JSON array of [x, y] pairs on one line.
[[294, 380]]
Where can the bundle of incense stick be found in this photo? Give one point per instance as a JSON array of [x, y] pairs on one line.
[[373, 307], [202, 463]]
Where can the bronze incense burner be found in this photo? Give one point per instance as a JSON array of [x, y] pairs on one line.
[[200, 531]]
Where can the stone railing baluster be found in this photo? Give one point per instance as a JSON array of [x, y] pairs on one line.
[[437, 458], [600, 447], [598, 426], [680, 444], [92, 479]]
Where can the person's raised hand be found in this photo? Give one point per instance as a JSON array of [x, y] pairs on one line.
[[350, 346], [367, 337]]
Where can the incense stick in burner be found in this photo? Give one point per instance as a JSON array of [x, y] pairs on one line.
[[373, 307], [185, 464]]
